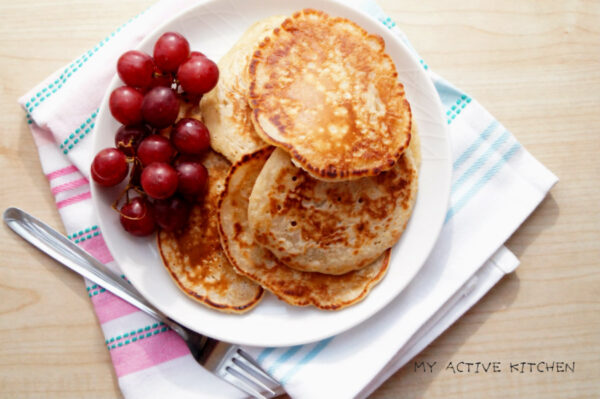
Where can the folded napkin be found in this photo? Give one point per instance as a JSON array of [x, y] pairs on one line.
[[496, 184]]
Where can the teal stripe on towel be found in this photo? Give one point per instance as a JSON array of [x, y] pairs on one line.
[[482, 181], [283, 358], [263, 355], [307, 358], [473, 147], [478, 164]]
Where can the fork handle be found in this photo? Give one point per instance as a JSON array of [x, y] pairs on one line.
[[58, 247]]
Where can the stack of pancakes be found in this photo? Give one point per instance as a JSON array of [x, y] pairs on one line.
[[324, 167]]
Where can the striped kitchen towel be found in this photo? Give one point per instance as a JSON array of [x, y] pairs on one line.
[[496, 184]]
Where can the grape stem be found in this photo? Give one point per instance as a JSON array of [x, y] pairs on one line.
[[130, 186], [115, 205]]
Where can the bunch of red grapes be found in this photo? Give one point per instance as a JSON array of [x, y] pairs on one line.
[[165, 172]]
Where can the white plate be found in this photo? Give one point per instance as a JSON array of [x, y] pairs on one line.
[[212, 28]]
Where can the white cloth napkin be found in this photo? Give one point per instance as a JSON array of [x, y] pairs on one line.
[[496, 185]]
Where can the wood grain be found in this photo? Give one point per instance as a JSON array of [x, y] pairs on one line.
[[534, 65]]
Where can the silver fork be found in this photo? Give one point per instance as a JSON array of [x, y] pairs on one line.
[[227, 361]]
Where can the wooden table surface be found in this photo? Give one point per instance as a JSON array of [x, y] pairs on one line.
[[534, 64]]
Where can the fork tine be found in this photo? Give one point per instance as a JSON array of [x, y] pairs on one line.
[[238, 368], [256, 368], [252, 375], [241, 381]]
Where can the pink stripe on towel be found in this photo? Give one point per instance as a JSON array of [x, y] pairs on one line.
[[62, 172], [109, 307], [148, 352], [69, 186], [74, 199], [97, 248]]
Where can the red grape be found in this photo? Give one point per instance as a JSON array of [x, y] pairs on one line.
[[128, 138], [161, 78], [172, 213], [170, 50], [155, 148], [159, 180], [193, 179], [160, 107], [137, 217], [190, 98], [151, 100], [190, 136], [135, 176], [126, 105], [136, 68], [198, 75], [187, 158], [109, 167], [196, 54]]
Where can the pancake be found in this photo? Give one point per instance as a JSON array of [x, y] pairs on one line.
[[195, 259], [225, 109], [292, 286], [333, 228], [415, 143], [324, 89]]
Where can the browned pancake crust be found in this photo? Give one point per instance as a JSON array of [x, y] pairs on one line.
[[225, 109], [257, 263], [324, 89], [194, 257], [330, 227]]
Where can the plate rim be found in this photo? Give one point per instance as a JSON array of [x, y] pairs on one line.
[[245, 339]]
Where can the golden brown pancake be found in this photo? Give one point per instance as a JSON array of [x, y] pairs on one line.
[[324, 89], [330, 227], [415, 143], [225, 109], [292, 286], [195, 259]]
